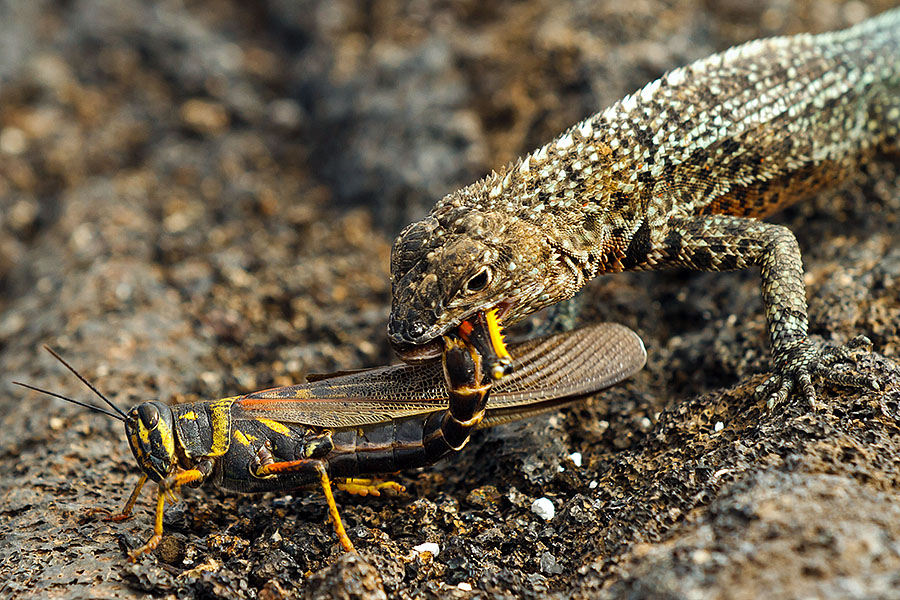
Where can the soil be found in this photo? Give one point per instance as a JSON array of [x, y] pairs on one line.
[[197, 200]]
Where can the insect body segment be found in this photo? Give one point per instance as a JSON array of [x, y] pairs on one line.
[[368, 422], [205, 429]]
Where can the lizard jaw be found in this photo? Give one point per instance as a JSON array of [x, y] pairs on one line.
[[417, 353], [433, 348]]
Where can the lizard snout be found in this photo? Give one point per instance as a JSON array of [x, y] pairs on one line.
[[407, 337], [405, 330]]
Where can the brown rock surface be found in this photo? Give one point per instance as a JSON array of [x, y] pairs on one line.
[[197, 199]]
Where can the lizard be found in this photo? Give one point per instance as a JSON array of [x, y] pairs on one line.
[[678, 174]]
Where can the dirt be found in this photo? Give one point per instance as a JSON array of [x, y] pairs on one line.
[[197, 199]]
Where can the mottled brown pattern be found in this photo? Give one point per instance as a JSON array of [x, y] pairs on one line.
[[672, 175], [766, 198]]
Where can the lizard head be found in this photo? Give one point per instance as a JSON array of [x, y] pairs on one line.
[[461, 260]]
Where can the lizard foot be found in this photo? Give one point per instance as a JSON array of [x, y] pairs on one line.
[[797, 362]]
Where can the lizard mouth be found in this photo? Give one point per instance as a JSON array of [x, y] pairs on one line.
[[432, 349], [417, 353]]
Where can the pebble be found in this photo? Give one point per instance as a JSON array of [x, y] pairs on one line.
[[549, 564], [429, 547], [543, 508]]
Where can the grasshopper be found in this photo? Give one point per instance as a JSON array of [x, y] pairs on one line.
[[366, 422]]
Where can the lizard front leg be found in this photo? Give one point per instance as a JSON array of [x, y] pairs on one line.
[[724, 243]]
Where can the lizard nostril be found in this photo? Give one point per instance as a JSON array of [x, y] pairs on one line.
[[405, 329], [415, 330]]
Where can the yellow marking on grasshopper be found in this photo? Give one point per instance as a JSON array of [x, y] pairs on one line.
[[220, 418], [167, 436], [275, 426], [143, 433]]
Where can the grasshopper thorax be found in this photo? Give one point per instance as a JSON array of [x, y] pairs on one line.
[[151, 435]]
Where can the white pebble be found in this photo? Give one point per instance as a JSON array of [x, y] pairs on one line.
[[462, 585], [576, 458], [429, 547], [719, 426], [593, 484], [543, 508]]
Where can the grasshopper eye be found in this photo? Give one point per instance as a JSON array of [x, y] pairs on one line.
[[149, 415], [479, 281]]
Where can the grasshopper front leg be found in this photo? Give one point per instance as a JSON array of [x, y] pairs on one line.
[[108, 515], [166, 487]]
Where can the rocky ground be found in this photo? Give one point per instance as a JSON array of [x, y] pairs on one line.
[[198, 200]]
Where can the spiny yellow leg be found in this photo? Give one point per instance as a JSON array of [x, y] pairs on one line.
[[333, 509], [496, 334], [184, 477], [167, 487], [367, 487], [497, 341], [154, 540], [303, 466]]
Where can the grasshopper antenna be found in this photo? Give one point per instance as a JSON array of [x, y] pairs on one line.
[[85, 382], [61, 397]]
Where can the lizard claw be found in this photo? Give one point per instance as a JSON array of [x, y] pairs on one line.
[[797, 362]]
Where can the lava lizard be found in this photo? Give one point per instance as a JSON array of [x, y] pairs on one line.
[[677, 174]]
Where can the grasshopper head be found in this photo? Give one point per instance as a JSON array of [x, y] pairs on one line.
[[151, 434], [149, 426]]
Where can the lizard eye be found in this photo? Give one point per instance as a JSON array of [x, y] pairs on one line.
[[479, 281]]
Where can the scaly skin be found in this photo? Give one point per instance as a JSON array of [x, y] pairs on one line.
[[675, 175]]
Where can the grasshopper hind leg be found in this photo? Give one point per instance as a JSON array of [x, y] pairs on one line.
[[164, 489], [367, 487], [317, 466], [333, 509]]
